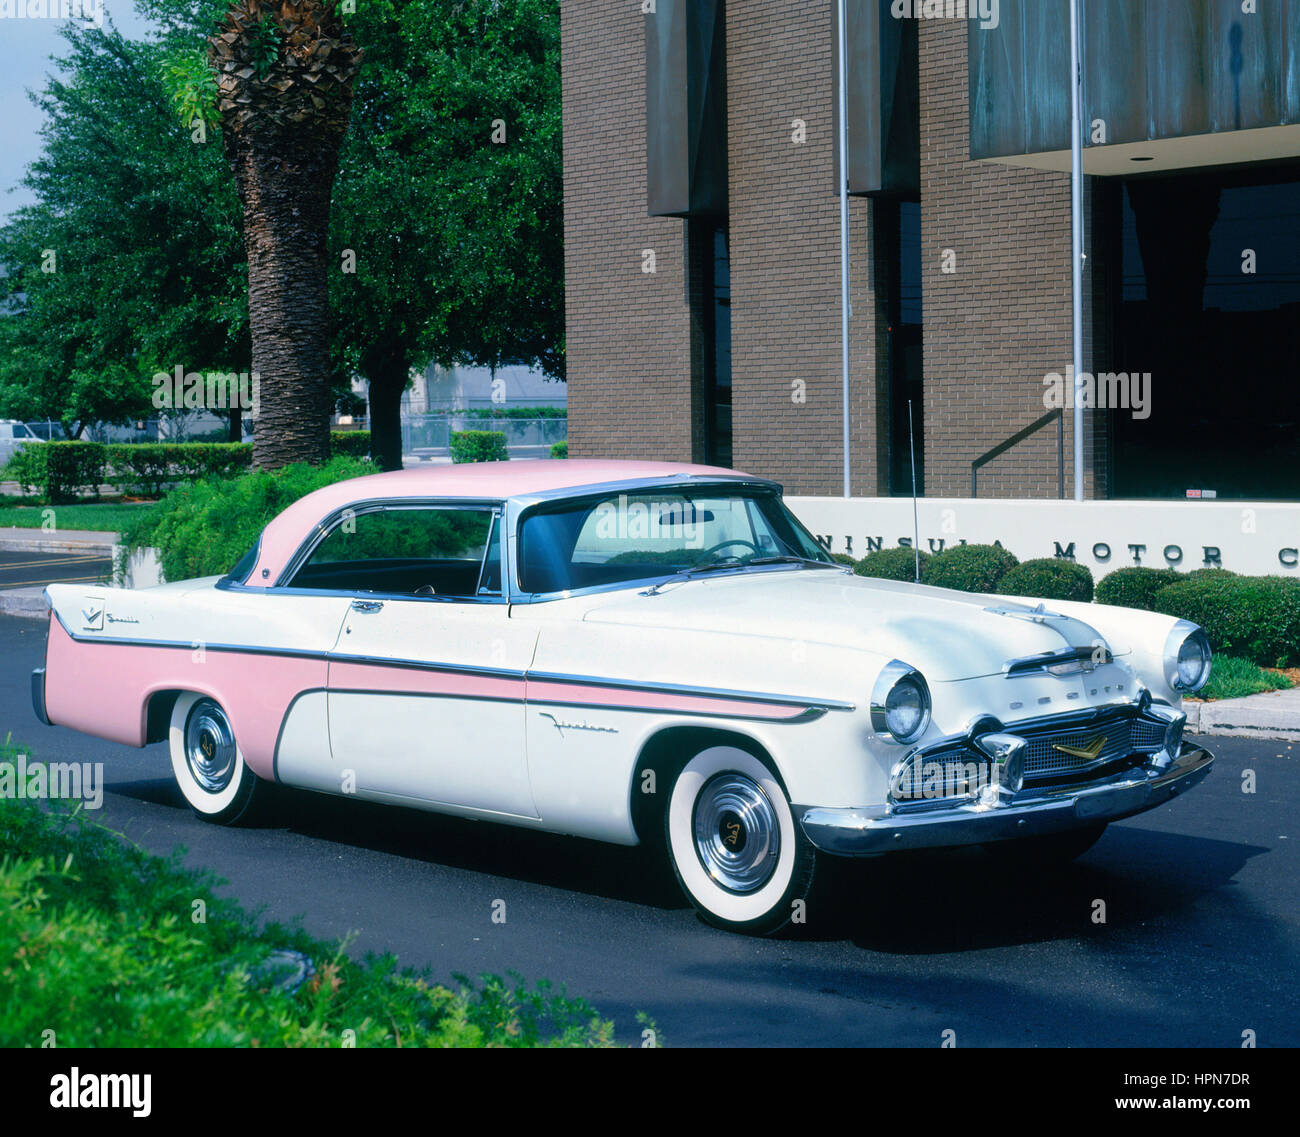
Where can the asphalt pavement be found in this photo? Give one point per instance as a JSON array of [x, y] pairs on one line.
[[30, 569], [1199, 941]]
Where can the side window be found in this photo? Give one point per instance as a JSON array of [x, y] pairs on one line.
[[423, 551]]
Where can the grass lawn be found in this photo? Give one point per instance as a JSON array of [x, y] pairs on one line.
[[1233, 678], [103, 944], [102, 517]]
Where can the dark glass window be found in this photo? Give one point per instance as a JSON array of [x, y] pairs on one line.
[[1210, 308], [421, 551]]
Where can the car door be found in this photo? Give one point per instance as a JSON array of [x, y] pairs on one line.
[[425, 691]]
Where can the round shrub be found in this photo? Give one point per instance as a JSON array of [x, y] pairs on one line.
[[891, 564], [969, 568], [1254, 617], [560, 449], [1048, 578], [202, 529], [478, 446], [843, 559], [1134, 587]]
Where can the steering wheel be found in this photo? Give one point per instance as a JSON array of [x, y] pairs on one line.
[[734, 541]]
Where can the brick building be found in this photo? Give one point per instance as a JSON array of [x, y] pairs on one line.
[[702, 241]]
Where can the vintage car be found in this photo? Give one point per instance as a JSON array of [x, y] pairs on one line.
[[635, 652]]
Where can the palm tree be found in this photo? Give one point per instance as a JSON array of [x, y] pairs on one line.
[[285, 74]]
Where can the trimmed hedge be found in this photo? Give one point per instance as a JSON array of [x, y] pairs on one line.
[[478, 446], [843, 559], [1254, 617], [1048, 578], [351, 443], [560, 449], [1135, 587], [147, 468], [891, 564], [203, 529], [969, 568], [63, 471]]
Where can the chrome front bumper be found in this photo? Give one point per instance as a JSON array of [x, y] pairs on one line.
[[862, 832]]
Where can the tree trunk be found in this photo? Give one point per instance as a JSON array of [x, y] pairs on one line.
[[283, 117], [387, 377]]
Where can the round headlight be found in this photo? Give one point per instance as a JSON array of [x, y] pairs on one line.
[[1187, 657], [900, 703]]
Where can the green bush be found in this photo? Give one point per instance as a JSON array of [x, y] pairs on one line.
[[560, 449], [969, 568], [101, 946], [352, 443], [843, 559], [1254, 617], [891, 564], [26, 466], [73, 469], [1048, 578], [1135, 587], [478, 446], [202, 529], [147, 468]]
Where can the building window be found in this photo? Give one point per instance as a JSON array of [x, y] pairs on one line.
[[715, 328]]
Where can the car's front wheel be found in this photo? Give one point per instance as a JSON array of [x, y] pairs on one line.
[[737, 850], [207, 762]]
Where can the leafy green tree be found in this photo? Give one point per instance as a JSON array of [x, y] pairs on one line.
[[130, 261], [448, 215]]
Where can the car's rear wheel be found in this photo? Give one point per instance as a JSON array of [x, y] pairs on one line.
[[1050, 848], [738, 852], [208, 764]]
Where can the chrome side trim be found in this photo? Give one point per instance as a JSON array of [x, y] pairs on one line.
[[807, 704]]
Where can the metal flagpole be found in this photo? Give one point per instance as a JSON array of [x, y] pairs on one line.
[[844, 233], [1076, 241]]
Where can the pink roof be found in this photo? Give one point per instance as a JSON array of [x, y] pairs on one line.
[[492, 481]]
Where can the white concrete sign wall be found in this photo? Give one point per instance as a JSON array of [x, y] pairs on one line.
[[1254, 538]]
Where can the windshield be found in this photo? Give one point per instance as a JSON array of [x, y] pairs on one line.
[[657, 533]]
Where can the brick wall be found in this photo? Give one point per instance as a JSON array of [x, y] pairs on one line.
[[998, 324], [992, 329], [785, 258], [627, 332]]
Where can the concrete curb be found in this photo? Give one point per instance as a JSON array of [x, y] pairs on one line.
[[1250, 717], [57, 541], [29, 602]]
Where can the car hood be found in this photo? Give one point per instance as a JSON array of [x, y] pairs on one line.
[[948, 635]]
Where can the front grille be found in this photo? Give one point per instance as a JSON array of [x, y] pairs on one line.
[[1118, 734], [1042, 759]]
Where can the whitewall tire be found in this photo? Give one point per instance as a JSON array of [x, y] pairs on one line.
[[207, 762], [738, 852]]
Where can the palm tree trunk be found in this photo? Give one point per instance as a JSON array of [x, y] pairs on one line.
[[285, 78]]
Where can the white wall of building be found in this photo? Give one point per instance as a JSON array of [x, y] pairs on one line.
[[1254, 538]]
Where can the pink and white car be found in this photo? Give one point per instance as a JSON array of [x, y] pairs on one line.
[[632, 652]]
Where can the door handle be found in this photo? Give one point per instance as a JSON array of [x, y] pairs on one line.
[[367, 605]]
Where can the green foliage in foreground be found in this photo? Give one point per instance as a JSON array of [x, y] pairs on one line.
[[1233, 678], [99, 943], [203, 529]]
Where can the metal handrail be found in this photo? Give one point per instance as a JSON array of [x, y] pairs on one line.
[[1002, 447]]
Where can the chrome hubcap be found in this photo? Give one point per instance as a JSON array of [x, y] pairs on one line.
[[209, 746], [737, 835]]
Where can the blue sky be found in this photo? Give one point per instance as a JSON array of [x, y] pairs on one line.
[[25, 49]]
